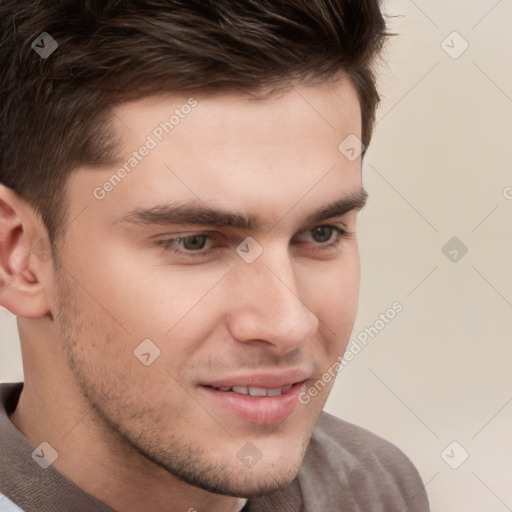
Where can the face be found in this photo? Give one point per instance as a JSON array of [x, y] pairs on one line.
[[211, 282]]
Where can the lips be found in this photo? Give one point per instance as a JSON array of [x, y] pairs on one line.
[[261, 399]]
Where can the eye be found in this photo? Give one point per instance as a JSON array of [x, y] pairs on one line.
[[189, 244], [321, 235], [193, 242]]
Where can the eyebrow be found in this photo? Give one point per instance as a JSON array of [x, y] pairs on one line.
[[205, 216]]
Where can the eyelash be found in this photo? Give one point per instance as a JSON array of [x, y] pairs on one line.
[[169, 242]]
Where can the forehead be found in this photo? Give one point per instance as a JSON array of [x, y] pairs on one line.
[[268, 155]]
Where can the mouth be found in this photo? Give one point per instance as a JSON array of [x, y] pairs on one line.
[[259, 400], [254, 391]]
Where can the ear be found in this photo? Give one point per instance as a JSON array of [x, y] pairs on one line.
[[25, 258]]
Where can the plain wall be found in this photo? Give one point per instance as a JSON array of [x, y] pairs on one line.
[[438, 167]]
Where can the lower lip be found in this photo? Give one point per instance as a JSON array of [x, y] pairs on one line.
[[260, 410]]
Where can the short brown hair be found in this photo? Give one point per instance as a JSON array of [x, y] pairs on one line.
[[55, 111]]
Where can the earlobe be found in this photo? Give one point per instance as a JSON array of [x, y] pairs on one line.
[[22, 271]]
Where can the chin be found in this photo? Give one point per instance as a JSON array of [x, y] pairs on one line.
[[250, 483], [230, 476]]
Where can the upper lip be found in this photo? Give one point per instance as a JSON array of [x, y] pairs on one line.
[[265, 380]]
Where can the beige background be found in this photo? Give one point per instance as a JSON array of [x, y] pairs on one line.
[[438, 167]]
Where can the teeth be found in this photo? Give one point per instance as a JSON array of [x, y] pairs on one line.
[[253, 391], [257, 392]]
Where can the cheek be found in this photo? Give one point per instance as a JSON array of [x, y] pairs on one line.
[[335, 301], [332, 290], [110, 367], [333, 296], [151, 299]]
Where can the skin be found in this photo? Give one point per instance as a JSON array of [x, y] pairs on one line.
[[148, 437]]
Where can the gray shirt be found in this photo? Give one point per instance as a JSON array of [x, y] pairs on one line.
[[346, 469]]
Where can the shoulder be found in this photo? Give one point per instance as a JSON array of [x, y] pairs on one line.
[[348, 463], [352, 447]]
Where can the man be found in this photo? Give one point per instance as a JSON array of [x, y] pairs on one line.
[[180, 187]]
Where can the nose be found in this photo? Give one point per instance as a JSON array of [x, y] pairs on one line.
[[267, 306]]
